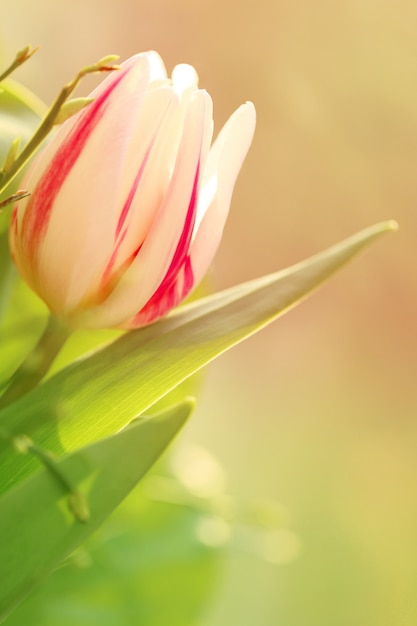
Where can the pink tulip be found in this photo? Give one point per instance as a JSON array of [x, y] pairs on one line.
[[128, 201]]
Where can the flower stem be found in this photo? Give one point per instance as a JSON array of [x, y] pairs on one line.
[[22, 56], [38, 362], [104, 65]]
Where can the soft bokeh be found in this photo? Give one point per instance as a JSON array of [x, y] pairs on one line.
[[318, 411]]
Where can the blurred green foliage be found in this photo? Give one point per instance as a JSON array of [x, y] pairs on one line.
[[146, 566]]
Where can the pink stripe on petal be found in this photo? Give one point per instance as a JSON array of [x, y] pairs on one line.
[[184, 241], [109, 267], [121, 228], [38, 211], [110, 276], [160, 305], [126, 208], [170, 234]]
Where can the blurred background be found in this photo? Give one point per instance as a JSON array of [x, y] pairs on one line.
[[317, 412]]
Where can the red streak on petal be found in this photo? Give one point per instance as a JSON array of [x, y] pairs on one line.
[[40, 205], [119, 234], [108, 269], [125, 211], [110, 278], [126, 208], [174, 294], [179, 279], [182, 247]]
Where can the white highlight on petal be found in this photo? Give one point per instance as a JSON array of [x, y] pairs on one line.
[[184, 77], [157, 69]]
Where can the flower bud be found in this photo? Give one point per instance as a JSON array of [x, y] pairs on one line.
[[128, 200]]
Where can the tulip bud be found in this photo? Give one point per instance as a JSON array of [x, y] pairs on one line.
[[128, 200]]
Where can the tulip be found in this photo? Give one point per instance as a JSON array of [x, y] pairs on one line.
[[128, 200]]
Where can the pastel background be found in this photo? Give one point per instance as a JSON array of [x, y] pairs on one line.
[[319, 411]]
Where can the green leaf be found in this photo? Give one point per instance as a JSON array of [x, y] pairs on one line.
[[146, 550], [22, 314], [20, 114], [100, 394], [36, 528]]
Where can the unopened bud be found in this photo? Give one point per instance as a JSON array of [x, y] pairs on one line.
[[25, 53], [108, 60], [70, 108]]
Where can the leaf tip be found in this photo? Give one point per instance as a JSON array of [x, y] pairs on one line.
[[373, 232], [189, 403], [392, 225]]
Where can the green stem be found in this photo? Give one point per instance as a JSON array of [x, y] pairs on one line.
[[40, 134], [46, 125], [37, 363], [21, 57]]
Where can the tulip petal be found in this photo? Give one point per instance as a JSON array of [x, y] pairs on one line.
[[184, 79], [148, 170], [224, 162], [128, 202], [51, 175], [81, 227], [165, 299], [223, 165], [166, 239]]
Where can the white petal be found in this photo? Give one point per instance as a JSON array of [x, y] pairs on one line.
[[151, 264], [148, 166], [157, 69], [85, 212], [184, 77], [223, 165]]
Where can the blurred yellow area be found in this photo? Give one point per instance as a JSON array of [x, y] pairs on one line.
[[318, 411]]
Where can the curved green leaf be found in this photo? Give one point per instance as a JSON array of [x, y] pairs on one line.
[[100, 394], [20, 114], [146, 550], [37, 530]]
